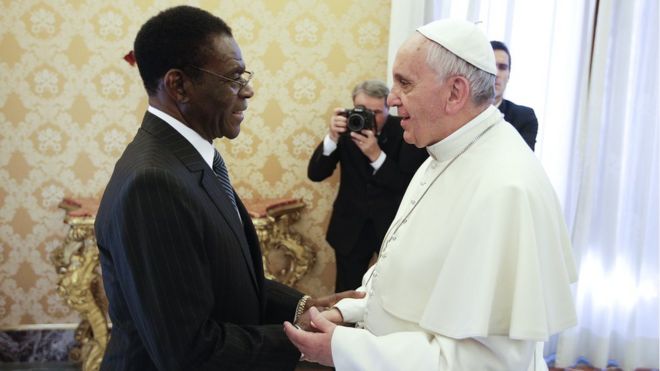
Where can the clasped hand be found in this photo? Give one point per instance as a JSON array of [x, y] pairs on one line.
[[312, 333], [315, 346]]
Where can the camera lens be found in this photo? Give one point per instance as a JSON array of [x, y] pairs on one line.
[[355, 122]]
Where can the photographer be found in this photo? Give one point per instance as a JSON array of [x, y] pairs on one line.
[[376, 167]]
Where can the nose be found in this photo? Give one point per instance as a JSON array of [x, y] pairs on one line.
[[246, 91], [393, 100]]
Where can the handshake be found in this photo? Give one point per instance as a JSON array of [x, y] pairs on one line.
[[323, 305], [312, 331]]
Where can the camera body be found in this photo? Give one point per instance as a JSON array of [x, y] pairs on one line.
[[359, 118]]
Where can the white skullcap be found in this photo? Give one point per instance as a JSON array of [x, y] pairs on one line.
[[464, 39]]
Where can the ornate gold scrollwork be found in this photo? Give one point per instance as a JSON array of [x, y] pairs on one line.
[[79, 283], [285, 257]]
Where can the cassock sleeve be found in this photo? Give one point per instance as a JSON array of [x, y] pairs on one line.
[[352, 310], [356, 349]]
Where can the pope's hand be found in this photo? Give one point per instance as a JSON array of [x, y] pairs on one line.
[[314, 346]]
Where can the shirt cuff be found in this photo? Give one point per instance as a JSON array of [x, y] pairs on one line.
[[379, 161], [329, 145]]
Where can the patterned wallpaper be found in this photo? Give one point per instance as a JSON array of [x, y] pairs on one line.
[[69, 104]]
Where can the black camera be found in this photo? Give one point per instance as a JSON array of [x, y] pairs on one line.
[[359, 118]]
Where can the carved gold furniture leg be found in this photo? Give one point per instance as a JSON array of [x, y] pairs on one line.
[[79, 283]]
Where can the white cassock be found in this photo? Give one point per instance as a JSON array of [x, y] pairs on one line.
[[474, 272]]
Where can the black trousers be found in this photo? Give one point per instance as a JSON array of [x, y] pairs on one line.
[[352, 266]]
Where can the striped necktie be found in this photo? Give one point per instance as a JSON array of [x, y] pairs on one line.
[[220, 171]]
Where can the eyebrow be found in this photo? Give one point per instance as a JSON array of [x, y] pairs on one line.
[[400, 77]]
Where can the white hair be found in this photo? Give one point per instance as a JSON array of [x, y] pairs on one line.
[[446, 63]]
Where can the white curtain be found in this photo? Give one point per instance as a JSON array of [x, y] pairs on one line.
[[405, 17], [615, 229], [590, 71]]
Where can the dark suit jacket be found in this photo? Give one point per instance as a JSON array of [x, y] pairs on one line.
[[362, 195], [523, 119], [183, 276]]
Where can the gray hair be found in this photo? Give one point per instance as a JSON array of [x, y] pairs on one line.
[[372, 88], [446, 63]]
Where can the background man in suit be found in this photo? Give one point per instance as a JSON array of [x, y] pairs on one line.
[[376, 167], [521, 117], [180, 257]]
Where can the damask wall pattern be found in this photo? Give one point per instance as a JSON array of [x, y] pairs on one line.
[[69, 104]]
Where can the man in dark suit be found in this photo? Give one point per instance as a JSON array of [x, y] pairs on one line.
[[181, 262], [376, 167], [521, 117]]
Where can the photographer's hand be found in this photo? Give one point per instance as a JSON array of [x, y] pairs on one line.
[[337, 124], [367, 143]]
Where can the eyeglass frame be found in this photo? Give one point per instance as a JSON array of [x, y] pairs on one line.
[[242, 83]]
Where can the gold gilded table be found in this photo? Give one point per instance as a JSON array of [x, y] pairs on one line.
[[285, 257], [79, 282]]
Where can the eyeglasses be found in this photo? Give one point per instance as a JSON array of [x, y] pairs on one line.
[[240, 82]]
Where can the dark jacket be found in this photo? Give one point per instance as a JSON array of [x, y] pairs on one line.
[[363, 195], [183, 275], [523, 119]]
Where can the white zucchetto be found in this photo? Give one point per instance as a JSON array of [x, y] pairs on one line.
[[464, 39]]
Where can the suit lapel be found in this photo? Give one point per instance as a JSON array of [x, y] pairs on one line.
[[212, 186], [183, 150]]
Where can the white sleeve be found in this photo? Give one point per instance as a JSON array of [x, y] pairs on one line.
[[329, 145], [357, 349], [352, 310]]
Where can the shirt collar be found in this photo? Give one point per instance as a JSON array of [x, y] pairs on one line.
[[205, 149]]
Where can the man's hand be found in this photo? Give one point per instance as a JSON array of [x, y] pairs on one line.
[[337, 124], [322, 304], [367, 142], [333, 315], [330, 300], [314, 346]]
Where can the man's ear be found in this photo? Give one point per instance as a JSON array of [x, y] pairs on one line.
[[459, 94], [175, 85]]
